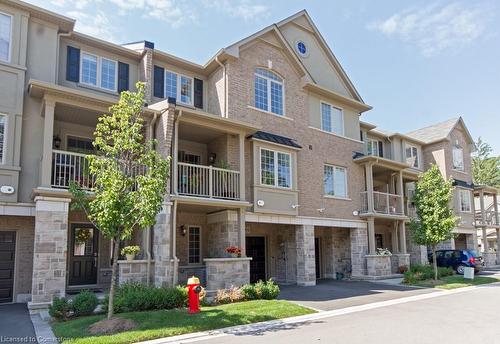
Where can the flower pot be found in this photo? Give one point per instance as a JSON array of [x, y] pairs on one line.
[[130, 257]]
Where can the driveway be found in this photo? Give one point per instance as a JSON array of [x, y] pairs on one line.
[[332, 294], [15, 324]]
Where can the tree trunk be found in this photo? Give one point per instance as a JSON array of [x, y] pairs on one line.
[[114, 269], [434, 262]]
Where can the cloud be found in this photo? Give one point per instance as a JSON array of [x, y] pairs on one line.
[[436, 28], [96, 25], [245, 9]]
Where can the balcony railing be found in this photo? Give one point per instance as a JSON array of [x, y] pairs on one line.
[[208, 182], [70, 167], [491, 218], [383, 203], [411, 211]]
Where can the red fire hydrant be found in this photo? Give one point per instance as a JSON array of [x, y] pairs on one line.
[[194, 290]]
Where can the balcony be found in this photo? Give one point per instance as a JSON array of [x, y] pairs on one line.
[[383, 203], [208, 182], [491, 219], [68, 167]]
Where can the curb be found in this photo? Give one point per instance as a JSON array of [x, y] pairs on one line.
[[288, 322], [43, 331]]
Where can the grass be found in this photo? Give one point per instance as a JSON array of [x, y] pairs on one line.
[[165, 323], [456, 281]]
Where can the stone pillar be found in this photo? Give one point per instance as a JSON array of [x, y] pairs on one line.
[[498, 245], [369, 187], [378, 266], [242, 236], [471, 241], [162, 240], [306, 264], [50, 250], [371, 235], [224, 231], [418, 253], [359, 249], [402, 237], [48, 132], [394, 238]]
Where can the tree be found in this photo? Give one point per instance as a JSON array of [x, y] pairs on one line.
[[485, 168], [130, 177], [435, 220]]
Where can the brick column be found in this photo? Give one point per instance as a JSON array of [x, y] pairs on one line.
[[50, 250], [306, 265], [225, 230], [359, 249]]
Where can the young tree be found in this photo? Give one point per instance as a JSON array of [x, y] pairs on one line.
[[485, 168], [130, 177], [435, 219]]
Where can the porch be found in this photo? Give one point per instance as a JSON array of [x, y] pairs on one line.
[[487, 222]]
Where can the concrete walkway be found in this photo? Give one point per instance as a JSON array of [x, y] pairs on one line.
[[329, 295], [15, 324]]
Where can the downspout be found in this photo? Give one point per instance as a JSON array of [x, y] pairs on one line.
[[173, 215], [148, 234], [59, 35], [224, 75]]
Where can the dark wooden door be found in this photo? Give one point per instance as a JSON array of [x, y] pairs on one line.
[[83, 255], [317, 254], [7, 258], [256, 248]]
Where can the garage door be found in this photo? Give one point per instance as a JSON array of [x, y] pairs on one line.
[[7, 256]]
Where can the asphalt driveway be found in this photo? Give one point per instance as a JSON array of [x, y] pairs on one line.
[[333, 294], [15, 324]]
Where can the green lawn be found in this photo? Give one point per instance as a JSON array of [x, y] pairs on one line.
[[456, 281], [157, 324]]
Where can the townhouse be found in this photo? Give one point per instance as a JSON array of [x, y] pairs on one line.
[[268, 154]]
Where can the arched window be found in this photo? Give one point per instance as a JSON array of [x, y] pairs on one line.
[[268, 91]]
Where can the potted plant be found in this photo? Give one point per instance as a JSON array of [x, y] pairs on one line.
[[130, 252], [235, 251], [383, 252]]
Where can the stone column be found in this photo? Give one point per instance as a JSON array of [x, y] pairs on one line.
[[306, 265], [162, 252], [50, 250], [225, 230], [498, 245], [48, 131], [418, 253], [402, 237], [371, 236], [471, 241], [486, 245], [369, 187], [395, 238], [242, 236], [359, 249]]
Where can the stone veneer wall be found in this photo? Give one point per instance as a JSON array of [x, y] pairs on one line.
[[50, 249], [223, 229], [378, 266], [223, 273], [335, 251], [359, 249], [134, 271], [418, 253], [490, 258], [306, 265], [399, 259]]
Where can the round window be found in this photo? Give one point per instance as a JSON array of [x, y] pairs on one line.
[[301, 48]]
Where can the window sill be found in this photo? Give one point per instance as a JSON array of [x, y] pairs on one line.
[[270, 113], [276, 188], [459, 171], [98, 89], [338, 198], [334, 134]]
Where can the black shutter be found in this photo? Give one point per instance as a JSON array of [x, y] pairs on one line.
[[159, 84], [381, 149], [198, 93], [122, 77], [73, 64]]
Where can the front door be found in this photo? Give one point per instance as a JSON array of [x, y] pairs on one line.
[[256, 248], [317, 255], [83, 255], [7, 256]]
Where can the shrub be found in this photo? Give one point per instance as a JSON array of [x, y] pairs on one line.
[[60, 308], [424, 272], [130, 250], [261, 290], [84, 303], [233, 294], [402, 269], [138, 297]]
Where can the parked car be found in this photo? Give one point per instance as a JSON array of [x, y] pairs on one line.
[[458, 260]]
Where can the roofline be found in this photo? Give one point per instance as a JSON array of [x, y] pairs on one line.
[[66, 23], [119, 49], [362, 107]]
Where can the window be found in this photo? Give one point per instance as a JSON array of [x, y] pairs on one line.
[[5, 36], [335, 181], [332, 119], [3, 136], [194, 245], [179, 87], [301, 48], [98, 72], [412, 156], [465, 200], [268, 91], [375, 147], [458, 158], [79, 145], [275, 168], [379, 240]]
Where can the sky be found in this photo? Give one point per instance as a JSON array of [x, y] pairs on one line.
[[416, 62]]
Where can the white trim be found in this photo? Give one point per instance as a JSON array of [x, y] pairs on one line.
[[454, 168], [337, 135], [9, 59], [331, 117], [346, 197], [370, 141], [460, 190], [200, 261], [275, 156], [99, 59], [269, 113], [4, 143], [304, 220], [178, 86], [419, 157], [269, 98]]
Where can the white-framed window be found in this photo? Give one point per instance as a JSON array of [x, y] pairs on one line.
[[79, 144], [374, 147], [275, 168], [180, 87], [98, 71], [464, 197], [5, 36], [411, 154], [194, 245], [269, 91], [332, 119], [335, 181], [458, 158], [3, 137]]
